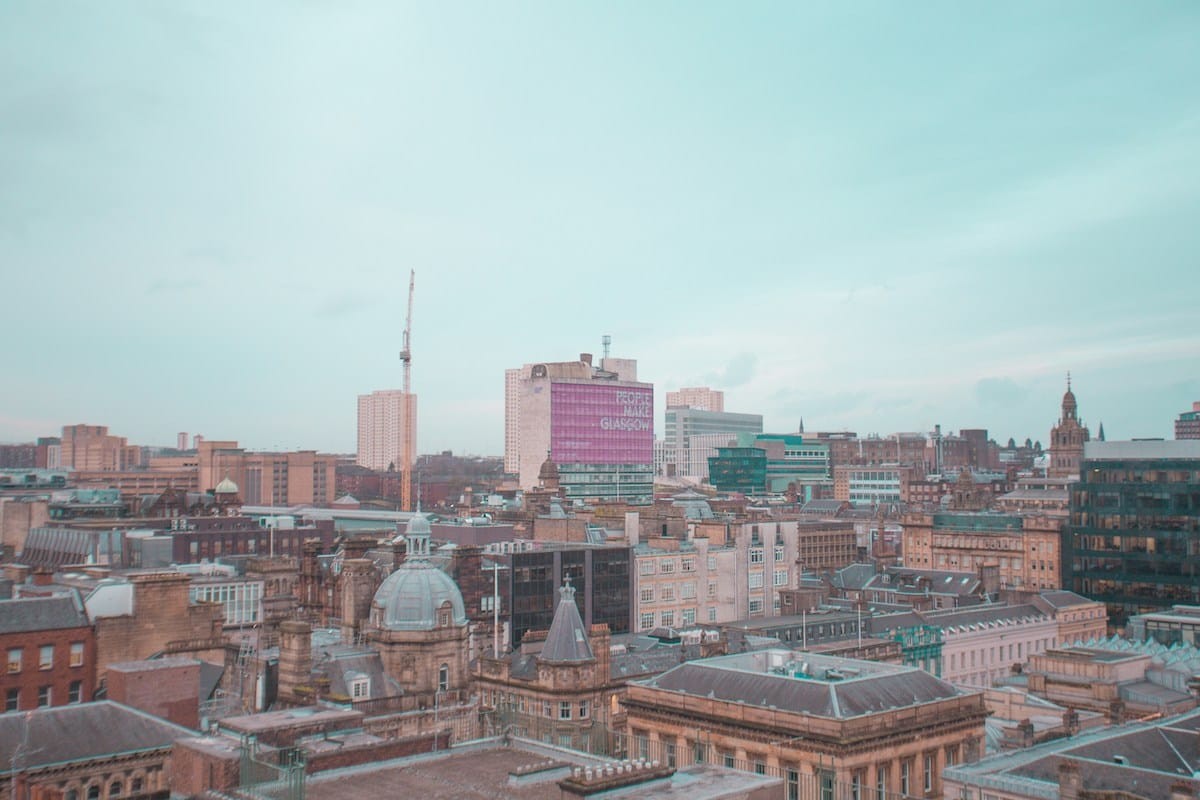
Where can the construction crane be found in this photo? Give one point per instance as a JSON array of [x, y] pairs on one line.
[[406, 481]]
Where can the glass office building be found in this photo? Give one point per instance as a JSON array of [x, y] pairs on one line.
[[1133, 541]]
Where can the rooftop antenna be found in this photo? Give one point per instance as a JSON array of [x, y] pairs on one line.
[[406, 458], [605, 342]]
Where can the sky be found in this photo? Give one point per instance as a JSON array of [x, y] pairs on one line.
[[869, 216]]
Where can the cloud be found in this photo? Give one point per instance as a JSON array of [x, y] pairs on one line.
[[999, 392], [738, 372]]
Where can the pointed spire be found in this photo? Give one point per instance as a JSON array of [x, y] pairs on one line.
[[802, 425], [1102, 431], [566, 641]]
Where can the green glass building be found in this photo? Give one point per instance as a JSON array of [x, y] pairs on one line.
[[1133, 540]]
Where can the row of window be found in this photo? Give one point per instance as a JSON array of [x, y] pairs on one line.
[[115, 789], [16, 657], [518, 702], [45, 696], [668, 619]]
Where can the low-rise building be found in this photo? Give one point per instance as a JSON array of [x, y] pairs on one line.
[[1155, 761], [50, 653], [1025, 548], [93, 751], [828, 726]]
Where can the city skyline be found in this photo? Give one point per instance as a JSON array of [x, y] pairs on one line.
[[211, 212]]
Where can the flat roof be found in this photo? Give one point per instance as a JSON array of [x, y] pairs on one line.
[[1148, 450], [523, 771]]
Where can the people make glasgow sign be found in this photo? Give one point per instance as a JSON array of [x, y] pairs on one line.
[[602, 424]]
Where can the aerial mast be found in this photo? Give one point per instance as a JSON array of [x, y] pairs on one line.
[[406, 481]]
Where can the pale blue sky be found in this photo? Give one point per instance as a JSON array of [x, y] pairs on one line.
[[874, 216]]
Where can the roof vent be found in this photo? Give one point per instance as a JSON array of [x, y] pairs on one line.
[[1119, 759]]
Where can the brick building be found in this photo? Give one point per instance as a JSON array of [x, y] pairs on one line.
[[50, 653], [147, 613], [93, 751]]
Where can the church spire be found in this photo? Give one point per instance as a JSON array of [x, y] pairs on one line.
[[1101, 436]]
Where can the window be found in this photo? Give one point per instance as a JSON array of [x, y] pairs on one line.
[[136, 785], [443, 619], [781, 577], [712, 562], [44, 696], [114, 789], [728, 760], [778, 553], [443, 678], [46, 656], [360, 688], [564, 709], [668, 619], [881, 782], [756, 580], [687, 565], [646, 621], [547, 709], [929, 773], [905, 775], [668, 593], [646, 567], [689, 616], [712, 615], [667, 566], [72, 794], [670, 753], [700, 754], [14, 659], [647, 594], [93, 793], [584, 710], [75, 692], [793, 784], [756, 555], [687, 591], [712, 591], [12, 700], [756, 606]]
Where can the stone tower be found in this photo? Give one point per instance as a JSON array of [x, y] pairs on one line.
[[1067, 439]]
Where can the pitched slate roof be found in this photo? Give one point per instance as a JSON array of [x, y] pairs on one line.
[[862, 688], [566, 641], [28, 614], [79, 732]]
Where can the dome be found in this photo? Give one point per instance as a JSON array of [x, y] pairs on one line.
[[410, 598], [419, 526], [548, 471], [226, 486]]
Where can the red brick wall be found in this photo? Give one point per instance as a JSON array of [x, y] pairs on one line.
[[381, 751], [61, 674], [170, 692], [195, 770]]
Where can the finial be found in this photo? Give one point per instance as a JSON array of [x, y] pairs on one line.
[[1068, 380], [567, 591]]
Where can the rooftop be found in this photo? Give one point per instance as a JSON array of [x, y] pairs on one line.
[[825, 686], [80, 732], [28, 614], [523, 771], [1148, 450]]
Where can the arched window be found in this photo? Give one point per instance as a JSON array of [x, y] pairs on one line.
[[114, 789], [135, 785], [443, 678], [93, 792], [72, 794]]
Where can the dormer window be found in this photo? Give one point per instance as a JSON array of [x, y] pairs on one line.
[[360, 688]]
